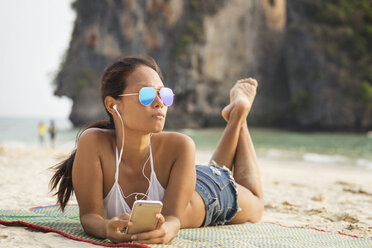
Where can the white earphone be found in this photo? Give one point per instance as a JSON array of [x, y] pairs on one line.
[[115, 107]]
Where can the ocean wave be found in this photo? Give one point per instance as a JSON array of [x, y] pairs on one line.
[[323, 158], [316, 158], [281, 154], [364, 163]]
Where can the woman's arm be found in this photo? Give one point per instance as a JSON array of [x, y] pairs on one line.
[[180, 188], [87, 179]]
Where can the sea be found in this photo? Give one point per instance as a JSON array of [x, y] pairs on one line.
[[23, 132], [349, 149]]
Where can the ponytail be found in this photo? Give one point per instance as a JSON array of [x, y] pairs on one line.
[[61, 181]]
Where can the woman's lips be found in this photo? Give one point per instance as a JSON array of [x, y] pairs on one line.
[[158, 116]]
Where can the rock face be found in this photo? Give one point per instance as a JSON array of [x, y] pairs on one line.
[[328, 63], [203, 47]]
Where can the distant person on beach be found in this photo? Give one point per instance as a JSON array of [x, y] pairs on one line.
[[42, 130], [52, 133], [128, 157]]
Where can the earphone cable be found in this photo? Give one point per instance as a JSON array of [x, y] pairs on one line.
[[143, 168]]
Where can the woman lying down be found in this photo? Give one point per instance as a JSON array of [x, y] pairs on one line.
[[130, 158]]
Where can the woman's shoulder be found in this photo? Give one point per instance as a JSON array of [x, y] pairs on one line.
[[169, 148], [174, 140], [94, 136]]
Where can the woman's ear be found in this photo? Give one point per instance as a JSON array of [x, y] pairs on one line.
[[110, 102]]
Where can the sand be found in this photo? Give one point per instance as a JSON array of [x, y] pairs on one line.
[[324, 196]]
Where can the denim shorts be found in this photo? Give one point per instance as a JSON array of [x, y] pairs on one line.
[[217, 188]]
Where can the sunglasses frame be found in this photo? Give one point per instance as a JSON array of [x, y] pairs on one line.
[[157, 93]]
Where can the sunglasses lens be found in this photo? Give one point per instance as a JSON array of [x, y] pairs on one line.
[[166, 95], [147, 95]]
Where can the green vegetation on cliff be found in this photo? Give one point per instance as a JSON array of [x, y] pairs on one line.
[[344, 29]]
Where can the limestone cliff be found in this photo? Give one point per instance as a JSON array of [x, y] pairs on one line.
[[203, 47], [328, 62]]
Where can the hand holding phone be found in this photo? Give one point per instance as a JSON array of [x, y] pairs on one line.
[[143, 216]]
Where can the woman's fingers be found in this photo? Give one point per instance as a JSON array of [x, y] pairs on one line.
[[119, 237], [153, 241], [124, 216], [154, 237], [116, 230], [146, 236], [161, 220], [119, 224]]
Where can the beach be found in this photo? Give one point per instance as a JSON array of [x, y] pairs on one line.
[[325, 196]]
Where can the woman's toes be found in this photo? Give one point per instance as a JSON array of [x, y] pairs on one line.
[[251, 81], [242, 95]]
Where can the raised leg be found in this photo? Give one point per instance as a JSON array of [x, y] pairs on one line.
[[248, 178], [246, 169], [241, 99], [226, 148], [236, 151]]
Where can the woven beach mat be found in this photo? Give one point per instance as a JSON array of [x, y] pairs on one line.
[[50, 218]]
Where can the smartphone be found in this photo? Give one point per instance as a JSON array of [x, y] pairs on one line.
[[143, 216]]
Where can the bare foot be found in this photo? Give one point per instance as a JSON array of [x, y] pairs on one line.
[[241, 98]]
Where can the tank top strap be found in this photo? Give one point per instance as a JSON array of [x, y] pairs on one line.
[[117, 166]]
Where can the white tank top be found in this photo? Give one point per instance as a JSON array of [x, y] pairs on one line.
[[114, 203]]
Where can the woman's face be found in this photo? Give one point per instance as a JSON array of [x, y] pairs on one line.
[[150, 118]]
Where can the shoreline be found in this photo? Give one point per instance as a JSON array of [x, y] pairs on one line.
[[328, 197]]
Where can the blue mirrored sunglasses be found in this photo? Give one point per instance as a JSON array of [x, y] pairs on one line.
[[148, 94]]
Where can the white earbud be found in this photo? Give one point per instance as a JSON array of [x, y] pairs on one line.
[[115, 107]]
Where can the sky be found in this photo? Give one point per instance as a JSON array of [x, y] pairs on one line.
[[34, 35]]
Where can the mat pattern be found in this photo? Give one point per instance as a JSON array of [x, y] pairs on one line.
[[50, 218]]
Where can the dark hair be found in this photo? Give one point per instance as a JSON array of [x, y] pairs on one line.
[[113, 83]]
